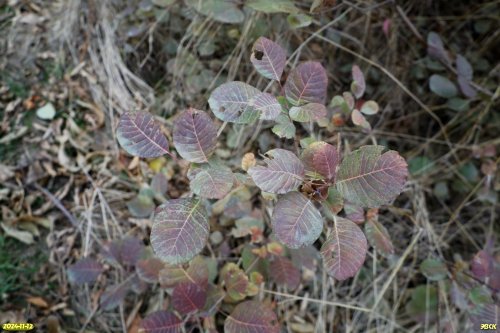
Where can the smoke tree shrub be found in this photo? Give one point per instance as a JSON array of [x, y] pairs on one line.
[[316, 182]]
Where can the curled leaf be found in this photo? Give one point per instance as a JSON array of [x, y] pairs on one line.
[[140, 135], [180, 230], [344, 251], [268, 58], [284, 172], [296, 221], [379, 237], [322, 158], [195, 136]]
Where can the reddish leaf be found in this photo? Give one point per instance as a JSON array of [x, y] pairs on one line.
[[85, 270], [283, 272], [252, 317], [232, 102], [195, 136], [284, 172], [359, 120], [188, 297], [322, 158], [345, 249], [482, 265], [180, 230], [296, 221], [268, 58], [307, 84], [368, 179], [149, 269], [308, 112], [267, 105], [140, 135], [358, 86], [161, 322]]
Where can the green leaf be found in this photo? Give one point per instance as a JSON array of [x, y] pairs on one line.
[[423, 303], [369, 107], [298, 21], [225, 11], [442, 86], [434, 269], [284, 127], [211, 181], [419, 165], [46, 112], [274, 6]]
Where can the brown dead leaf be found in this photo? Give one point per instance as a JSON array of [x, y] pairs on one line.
[[37, 301], [248, 161]]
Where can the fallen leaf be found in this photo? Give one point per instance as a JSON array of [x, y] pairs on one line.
[[37, 301]]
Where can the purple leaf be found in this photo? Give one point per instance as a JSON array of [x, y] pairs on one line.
[[180, 230], [466, 87], [211, 181], [267, 105], [296, 221], [322, 158], [188, 297], [149, 269], [378, 237], [482, 265], [195, 136], [161, 322], [345, 249], [268, 58], [368, 179], [308, 112], [85, 270], [284, 172], [126, 251], [305, 257], [358, 85], [140, 135], [232, 102], [252, 317], [159, 184], [283, 272], [307, 84], [435, 48], [354, 213], [114, 295], [464, 68]]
